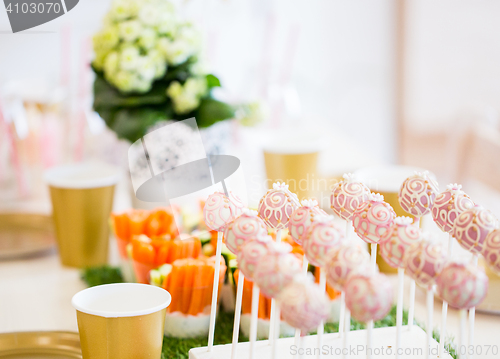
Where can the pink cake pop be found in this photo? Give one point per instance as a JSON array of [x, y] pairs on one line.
[[449, 205], [220, 210], [246, 227], [417, 194], [404, 234], [462, 285], [343, 261], [250, 254], [276, 269], [277, 205], [472, 226], [491, 250], [347, 195], [424, 261], [373, 219], [303, 304], [368, 296], [323, 235], [301, 219]]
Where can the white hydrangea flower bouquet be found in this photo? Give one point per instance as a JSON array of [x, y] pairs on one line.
[[147, 70]]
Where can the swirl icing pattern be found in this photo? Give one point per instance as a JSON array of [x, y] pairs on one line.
[[303, 305], [277, 205], [301, 219], [250, 254], [246, 227], [417, 194], [462, 285], [472, 227], [347, 195], [491, 251], [343, 261], [220, 210], [321, 238], [275, 271], [424, 261], [449, 205], [368, 296], [403, 235], [373, 219]]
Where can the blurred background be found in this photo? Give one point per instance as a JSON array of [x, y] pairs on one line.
[[382, 82]]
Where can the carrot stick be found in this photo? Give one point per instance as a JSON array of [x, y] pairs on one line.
[[187, 286], [176, 281], [137, 220], [196, 305], [208, 277]]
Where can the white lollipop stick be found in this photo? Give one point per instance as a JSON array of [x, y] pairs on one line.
[[461, 335], [276, 332], [254, 318], [342, 314], [399, 309], [411, 307], [305, 264], [237, 314], [272, 320], [472, 314], [430, 310], [321, 328], [215, 290], [347, 324], [444, 312], [369, 333]]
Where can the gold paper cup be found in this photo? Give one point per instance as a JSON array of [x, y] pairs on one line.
[[124, 320], [387, 181], [82, 198], [292, 157]]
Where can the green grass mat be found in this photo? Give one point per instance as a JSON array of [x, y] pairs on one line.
[[176, 348]]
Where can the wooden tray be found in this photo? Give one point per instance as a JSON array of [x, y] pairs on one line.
[[40, 345]]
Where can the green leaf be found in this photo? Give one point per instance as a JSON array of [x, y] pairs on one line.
[[211, 111], [132, 123], [212, 81]]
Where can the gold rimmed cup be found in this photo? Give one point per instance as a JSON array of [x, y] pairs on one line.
[[123, 320], [82, 198]]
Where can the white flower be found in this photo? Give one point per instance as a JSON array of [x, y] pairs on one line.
[[129, 58], [106, 39], [125, 80], [147, 38], [146, 68], [149, 15], [130, 30], [175, 52], [187, 98], [124, 9], [142, 85], [167, 24], [159, 63], [196, 86], [112, 63]]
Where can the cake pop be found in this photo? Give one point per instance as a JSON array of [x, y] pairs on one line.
[[368, 296], [448, 205], [343, 261], [491, 250], [404, 235], [304, 305], [276, 269], [347, 195], [277, 205], [246, 227], [250, 254], [220, 210], [301, 219], [323, 235], [373, 219], [417, 194], [424, 261], [462, 285], [472, 226]]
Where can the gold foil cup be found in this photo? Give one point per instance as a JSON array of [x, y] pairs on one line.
[[292, 157], [387, 181], [82, 198], [124, 320]]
